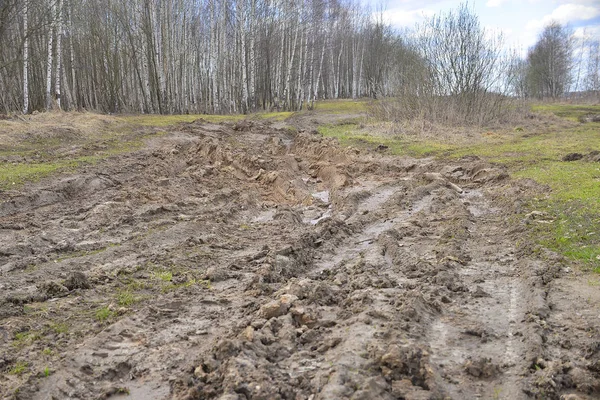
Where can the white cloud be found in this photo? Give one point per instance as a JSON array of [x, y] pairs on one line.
[[403, 18], [495, 3], [587, 33], [564, 14]]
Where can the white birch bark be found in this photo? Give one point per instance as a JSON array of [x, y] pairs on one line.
[[72, 55], [25, 60], [50, 59], [58, 76]]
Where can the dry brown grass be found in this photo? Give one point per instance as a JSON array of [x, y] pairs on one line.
[[518, 121], [53, 125]]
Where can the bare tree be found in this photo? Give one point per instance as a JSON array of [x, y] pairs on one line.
[[592, 79], [25, 59], [466, 68], [50, 56], [216, 56], [550, 61]]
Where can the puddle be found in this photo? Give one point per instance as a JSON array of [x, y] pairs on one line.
[[377, 199], [264, 216], [476, 206], [326, 214], [323, 196]]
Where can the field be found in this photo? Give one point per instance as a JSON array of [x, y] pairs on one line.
[[313, 255]]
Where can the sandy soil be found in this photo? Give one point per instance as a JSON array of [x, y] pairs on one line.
[[253, 261]]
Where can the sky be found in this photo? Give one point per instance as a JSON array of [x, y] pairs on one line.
[[521, 21]]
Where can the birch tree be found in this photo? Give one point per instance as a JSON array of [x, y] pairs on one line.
[[25, 59]]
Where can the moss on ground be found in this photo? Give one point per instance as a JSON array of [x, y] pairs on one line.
[[341, 106]]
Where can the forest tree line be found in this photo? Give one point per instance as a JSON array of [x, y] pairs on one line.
[[236, 56]]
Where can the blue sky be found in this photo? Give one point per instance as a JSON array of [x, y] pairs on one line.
[[520, 21]]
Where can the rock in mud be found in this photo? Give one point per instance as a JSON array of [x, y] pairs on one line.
[[274, 309], [373, 388], [482, 368], [572, 157], [479, 292], [216, 274], [406, 362], [404, 389], [52, 289], [594, 156], [77, 280]]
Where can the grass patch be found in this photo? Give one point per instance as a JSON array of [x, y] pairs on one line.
[[275, 116], [165, 276], [59, 327], [26, 338], [573, 202], [573, 231], [532, 151], [522, 149], [19, 368], [126, 299], [351, 134], [342, 106], [104, 314], [572, 112], [192, 282], [17, 174], [157, 120]]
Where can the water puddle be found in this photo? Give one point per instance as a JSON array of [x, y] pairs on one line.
[[477, 206], [323, 196], [264, 216]]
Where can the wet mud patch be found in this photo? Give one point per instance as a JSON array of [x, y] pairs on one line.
[[244, 261]]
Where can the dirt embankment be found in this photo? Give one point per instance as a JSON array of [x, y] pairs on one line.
[[248, 262]]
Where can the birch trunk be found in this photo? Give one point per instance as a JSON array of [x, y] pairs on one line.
[[58, 55], [25, 60], [72, 55], [50, 59]]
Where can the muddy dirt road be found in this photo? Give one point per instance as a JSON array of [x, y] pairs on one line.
[[251, 261]]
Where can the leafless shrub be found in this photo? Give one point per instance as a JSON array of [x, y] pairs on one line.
[[456, 74]]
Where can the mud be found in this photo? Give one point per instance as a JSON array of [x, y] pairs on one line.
[[249, 261]]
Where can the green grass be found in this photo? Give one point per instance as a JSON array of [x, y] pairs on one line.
[[192, 282], [19, 368], [26, 338], [126, 299], [59, 327], [521, 149], [275, 116], [569, 111], [573, 228], [16, 174], [165, 276], [156, 120], [574, 197], [341, 106], [104, 314], [351, 134]]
